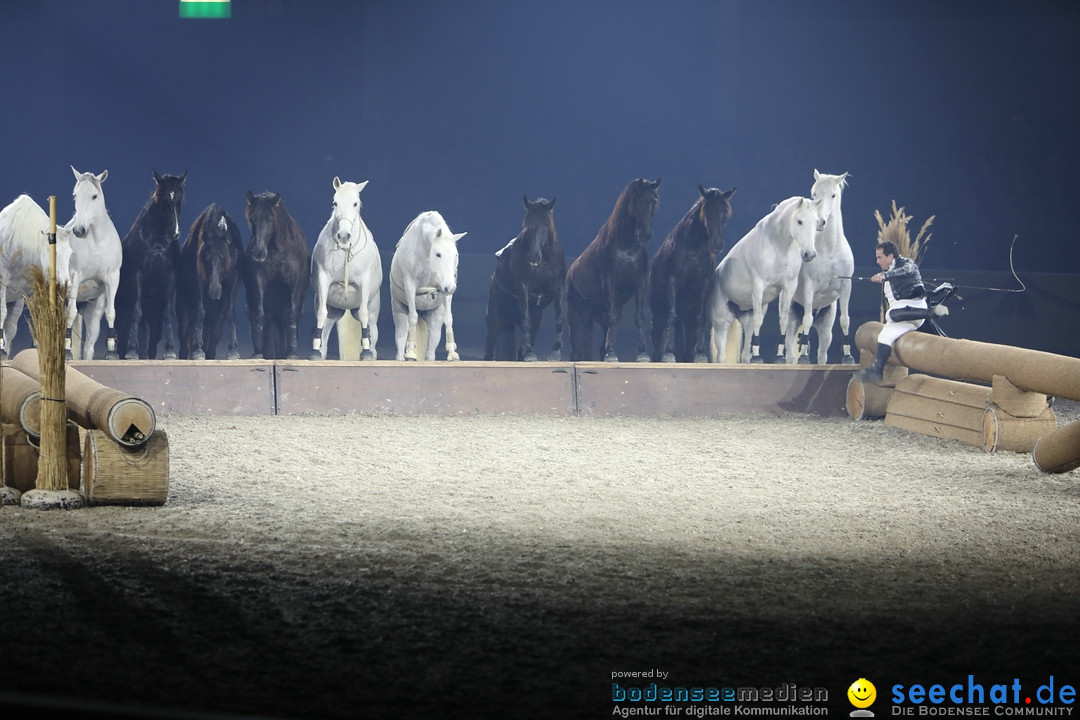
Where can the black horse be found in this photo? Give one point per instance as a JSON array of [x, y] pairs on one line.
[[277, 271], [208, 280], [681, 275], [146, 296], [529, 275], [611, 270]]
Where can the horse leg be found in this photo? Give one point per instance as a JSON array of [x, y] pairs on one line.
[[293, 312], [845, 322], [401, 331], [169, 320], [91, 320], [823, 323], [757, 320], [447, 322], [363, 316], [318, 334], [5, 332], [535, 316], [575, 316], [212, 332], [560, 321], [233, 352], [256, 319], [491, 324], [196, 343], [136, 319], [527, 334], [109, 293], [639, 318]]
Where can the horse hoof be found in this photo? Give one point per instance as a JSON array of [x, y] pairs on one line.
[[410, 359], [611, 357], [169, 356], [643, 357], [757, 360], [315, 356], [453, 357], [847, 360], [803, 360], [555, 356], [131, 356], [68, 356], [198, 355], [667, 357], [701, 359], [367, 355], [233, 356], [257, 356], [113, 355], [530, 357], [292, 356]]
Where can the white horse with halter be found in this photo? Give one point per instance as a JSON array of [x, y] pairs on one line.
[[423, 278], [346, 272], [96, 256], [763, 266]]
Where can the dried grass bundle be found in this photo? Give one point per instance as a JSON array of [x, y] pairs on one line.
[[47, 324], [896, 230]]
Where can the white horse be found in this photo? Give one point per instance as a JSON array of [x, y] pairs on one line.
[[761, 267], [346, 273], [24, 243], [423, 278], [825, 283], [96, 255]]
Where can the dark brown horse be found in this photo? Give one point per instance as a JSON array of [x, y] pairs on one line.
[[277, 270], [146, 296], [530, 274], [208, 279], [611, 270], [681, 275]]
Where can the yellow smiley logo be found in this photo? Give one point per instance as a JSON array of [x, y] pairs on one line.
[[862, 693]]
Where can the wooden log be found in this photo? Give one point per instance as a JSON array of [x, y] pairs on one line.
[[1016, 402], [20, 401], [1030, 370], [867, 401], [20, 457], [116, 474], [128, 420], [1004, 431], [1059, 451], [939, 408]]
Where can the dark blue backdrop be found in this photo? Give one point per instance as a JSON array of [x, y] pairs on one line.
[[963, 110]]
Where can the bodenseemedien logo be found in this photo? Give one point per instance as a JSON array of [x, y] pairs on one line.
[[862, 694]]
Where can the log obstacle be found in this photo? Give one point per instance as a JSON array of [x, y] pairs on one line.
[[1014, 414], [118, 475], [127, 420], [20, 401], [20, 452], [124, 459]]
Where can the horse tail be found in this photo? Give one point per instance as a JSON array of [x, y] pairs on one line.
[[734, 343], [348, 337]]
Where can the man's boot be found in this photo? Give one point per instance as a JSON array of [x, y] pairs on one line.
[[874, 372]]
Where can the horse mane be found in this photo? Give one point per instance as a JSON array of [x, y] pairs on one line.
[[621, 219]]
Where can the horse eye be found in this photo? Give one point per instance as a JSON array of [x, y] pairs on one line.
[[800, 222], [438, 254]]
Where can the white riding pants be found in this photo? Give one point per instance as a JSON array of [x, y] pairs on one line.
[[894, 330]]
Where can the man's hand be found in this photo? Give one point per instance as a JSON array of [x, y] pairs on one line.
[[878, 277]]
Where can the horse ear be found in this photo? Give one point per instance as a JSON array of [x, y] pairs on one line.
[[551, 204], [656, 184], [157, 178], [360, 186], [817, 175], [183, 176], [337, 182], [277, 198], [458, 236], [525, 199], [729, 193], [101, 178], [701, 190], [77, 173], [250, 197]]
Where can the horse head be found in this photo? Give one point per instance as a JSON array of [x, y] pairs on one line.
[[89, 202], [261, 214], [346, 229], [715, 210], [539, 226], [804, 224], [214, 257], [828, 189], [443, 257], [169, 196], [644, 196]]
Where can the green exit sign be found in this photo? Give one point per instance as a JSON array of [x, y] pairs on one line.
[[205, 8]]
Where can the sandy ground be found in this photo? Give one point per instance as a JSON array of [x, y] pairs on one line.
[[505, 567]]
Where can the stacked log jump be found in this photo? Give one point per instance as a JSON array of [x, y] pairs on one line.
[[125, 459], [994, 396]]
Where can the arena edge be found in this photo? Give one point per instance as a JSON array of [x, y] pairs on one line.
[[788, 692]]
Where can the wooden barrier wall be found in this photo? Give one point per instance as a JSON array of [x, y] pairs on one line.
[[258, 387]]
